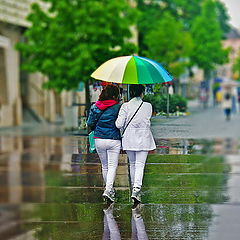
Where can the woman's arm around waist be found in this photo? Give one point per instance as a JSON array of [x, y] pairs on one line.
[[94, 115], [122, 116]]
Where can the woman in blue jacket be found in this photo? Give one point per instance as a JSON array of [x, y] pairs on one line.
[[102, 119]]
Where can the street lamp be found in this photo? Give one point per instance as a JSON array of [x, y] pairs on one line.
[[167, 84]]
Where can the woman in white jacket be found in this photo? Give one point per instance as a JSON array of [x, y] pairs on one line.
[[137, 138]]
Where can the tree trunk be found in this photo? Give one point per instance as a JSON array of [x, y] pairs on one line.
[[87, 96], [207, 75], [207, 78]]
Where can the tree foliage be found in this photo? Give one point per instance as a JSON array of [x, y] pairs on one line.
[[150, 14], [73, 37], [172, 25], [187, 12], [236, 66], [207, 35], [223, 18], [169, 44]]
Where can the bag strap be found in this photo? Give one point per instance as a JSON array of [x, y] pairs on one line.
[[132, 118]]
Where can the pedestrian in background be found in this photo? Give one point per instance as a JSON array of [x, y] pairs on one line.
[[227, 104], [234, 94], [238, 97], [134, 121], [107, 137], [95, 92]]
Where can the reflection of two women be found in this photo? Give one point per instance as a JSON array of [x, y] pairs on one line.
[[111, 230]]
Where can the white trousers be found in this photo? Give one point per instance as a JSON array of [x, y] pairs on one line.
[[137, 160], [138, 227], [111, 230], [108, 151]]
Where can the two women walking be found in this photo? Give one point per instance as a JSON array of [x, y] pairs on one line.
[[108, 118]]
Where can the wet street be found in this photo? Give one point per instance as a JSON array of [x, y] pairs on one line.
[[51, 189], [205, 123]]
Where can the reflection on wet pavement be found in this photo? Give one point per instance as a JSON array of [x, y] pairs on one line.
[[51, 187]]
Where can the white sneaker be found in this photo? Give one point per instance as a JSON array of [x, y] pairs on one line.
[[136, 195], [109, 195]]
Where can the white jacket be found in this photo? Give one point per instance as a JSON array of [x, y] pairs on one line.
[[138, 135], [227, 103]]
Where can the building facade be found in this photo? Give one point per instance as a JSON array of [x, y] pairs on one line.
[[233, 42], [21, 94]]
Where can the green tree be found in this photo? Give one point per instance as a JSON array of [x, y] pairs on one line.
[[149, 15], [169, 44], [223, 18], [236, 66], [188, 12], [207, 35], [67, 42], [152, 11]]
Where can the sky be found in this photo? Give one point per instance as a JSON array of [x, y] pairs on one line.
[[233, 7]]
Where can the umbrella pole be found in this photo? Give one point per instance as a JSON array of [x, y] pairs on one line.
[[128, 93]]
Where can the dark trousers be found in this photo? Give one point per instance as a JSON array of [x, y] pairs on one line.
[[227, 112]]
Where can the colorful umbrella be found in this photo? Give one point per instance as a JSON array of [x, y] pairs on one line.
[[229, 84], [132, 70]]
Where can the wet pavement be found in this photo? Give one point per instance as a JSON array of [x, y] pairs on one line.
[[205, 123], [50, 188]]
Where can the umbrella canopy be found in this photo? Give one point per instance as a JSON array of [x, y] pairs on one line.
[[132, 70], [229, 84]]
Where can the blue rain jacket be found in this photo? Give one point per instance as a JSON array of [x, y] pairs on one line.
[[103, 122]]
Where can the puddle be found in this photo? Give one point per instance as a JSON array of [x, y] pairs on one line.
[[51, 187]]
